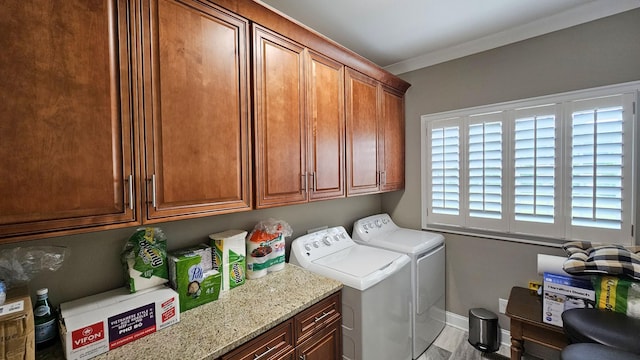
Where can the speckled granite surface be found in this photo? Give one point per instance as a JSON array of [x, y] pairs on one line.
[[239, 315]]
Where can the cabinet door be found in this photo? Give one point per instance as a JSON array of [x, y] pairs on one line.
[[325, 114], [324, 345], [279, 115], [66, 161], [362, 134], [196, 113], [392, 148]]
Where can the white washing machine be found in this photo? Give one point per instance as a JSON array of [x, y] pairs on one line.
[[376, 311], [427, 253]]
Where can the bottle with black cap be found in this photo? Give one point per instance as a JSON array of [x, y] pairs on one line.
[[45, 319]]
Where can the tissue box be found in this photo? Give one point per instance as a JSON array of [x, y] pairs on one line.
[[17, 340], [192, 275], [561, 292], [96, 324], [230, 257]]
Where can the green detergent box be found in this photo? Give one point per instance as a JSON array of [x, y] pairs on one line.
[[192, 276], [230, 257]]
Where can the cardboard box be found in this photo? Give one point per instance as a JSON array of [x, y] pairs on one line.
[[230, 257], [192, 275], [562, 292], [17, 337], [96, 324]]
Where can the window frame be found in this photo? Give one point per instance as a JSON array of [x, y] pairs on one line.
[[511, 229]]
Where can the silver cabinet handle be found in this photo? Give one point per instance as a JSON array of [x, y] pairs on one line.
[[130, 192], [153, 190], [324, 315], [314, 181], [303, 182], [256, 356]]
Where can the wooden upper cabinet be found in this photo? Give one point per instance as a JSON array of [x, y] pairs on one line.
[[392, 146], [362, 134], [196, 110], [375, 136], [326, 124], [66, 159], [279, 118]]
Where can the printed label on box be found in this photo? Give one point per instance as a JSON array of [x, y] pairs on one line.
[[563, 293], [131, 325], [87, 335], [16, 306]]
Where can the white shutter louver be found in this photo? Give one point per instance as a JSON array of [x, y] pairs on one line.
[[445, 170], [597, 167], [534, 168], [485, 170]]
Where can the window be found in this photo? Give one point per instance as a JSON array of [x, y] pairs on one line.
[[557, 167]]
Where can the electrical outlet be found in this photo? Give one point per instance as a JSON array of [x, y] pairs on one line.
[[502, 305]]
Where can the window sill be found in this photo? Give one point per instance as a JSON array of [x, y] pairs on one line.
[[517, 238]]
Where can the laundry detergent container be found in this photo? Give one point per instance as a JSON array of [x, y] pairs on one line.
[[483, 330]]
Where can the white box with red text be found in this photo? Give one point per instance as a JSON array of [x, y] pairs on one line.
[[96, 324]]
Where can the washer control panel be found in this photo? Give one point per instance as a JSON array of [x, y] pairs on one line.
[[373, 226], [318, 244]]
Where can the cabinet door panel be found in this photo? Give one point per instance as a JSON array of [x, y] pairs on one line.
[[324, 345], [362, 134], [197, 112], [279, 120], [392, 155], [325, 96], [65, 154]]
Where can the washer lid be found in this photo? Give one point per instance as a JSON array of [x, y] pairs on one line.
[[360, 267], [407, 241]]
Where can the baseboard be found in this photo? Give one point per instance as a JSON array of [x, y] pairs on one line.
[[462, 323]]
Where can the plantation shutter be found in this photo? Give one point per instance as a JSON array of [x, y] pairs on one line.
[[485, 171], [535, 165], [445, 170], [444, 192], [599, 168], [557, 167]]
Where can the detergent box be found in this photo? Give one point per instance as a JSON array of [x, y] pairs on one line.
[[562, 292], [230, 257], [192, 275], [96, 324]]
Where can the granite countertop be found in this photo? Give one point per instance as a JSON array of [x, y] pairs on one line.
[[239, 315]]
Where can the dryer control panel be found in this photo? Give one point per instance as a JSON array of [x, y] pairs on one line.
[[310, 247], [373, 226]]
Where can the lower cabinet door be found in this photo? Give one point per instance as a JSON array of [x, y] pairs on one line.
[[324, 345]]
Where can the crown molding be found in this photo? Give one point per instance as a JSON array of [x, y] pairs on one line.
[[575, 16]]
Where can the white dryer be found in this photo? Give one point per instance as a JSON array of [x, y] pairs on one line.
[[376, 312], [427, 253]]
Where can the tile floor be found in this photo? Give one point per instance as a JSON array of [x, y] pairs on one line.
[[452, 344]]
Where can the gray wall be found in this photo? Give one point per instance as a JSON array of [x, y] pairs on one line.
[[94, 262], [603, 52]]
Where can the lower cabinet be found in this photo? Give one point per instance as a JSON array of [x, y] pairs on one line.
[[314, 333]]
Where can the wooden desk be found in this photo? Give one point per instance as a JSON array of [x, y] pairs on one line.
[[525, 310]]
